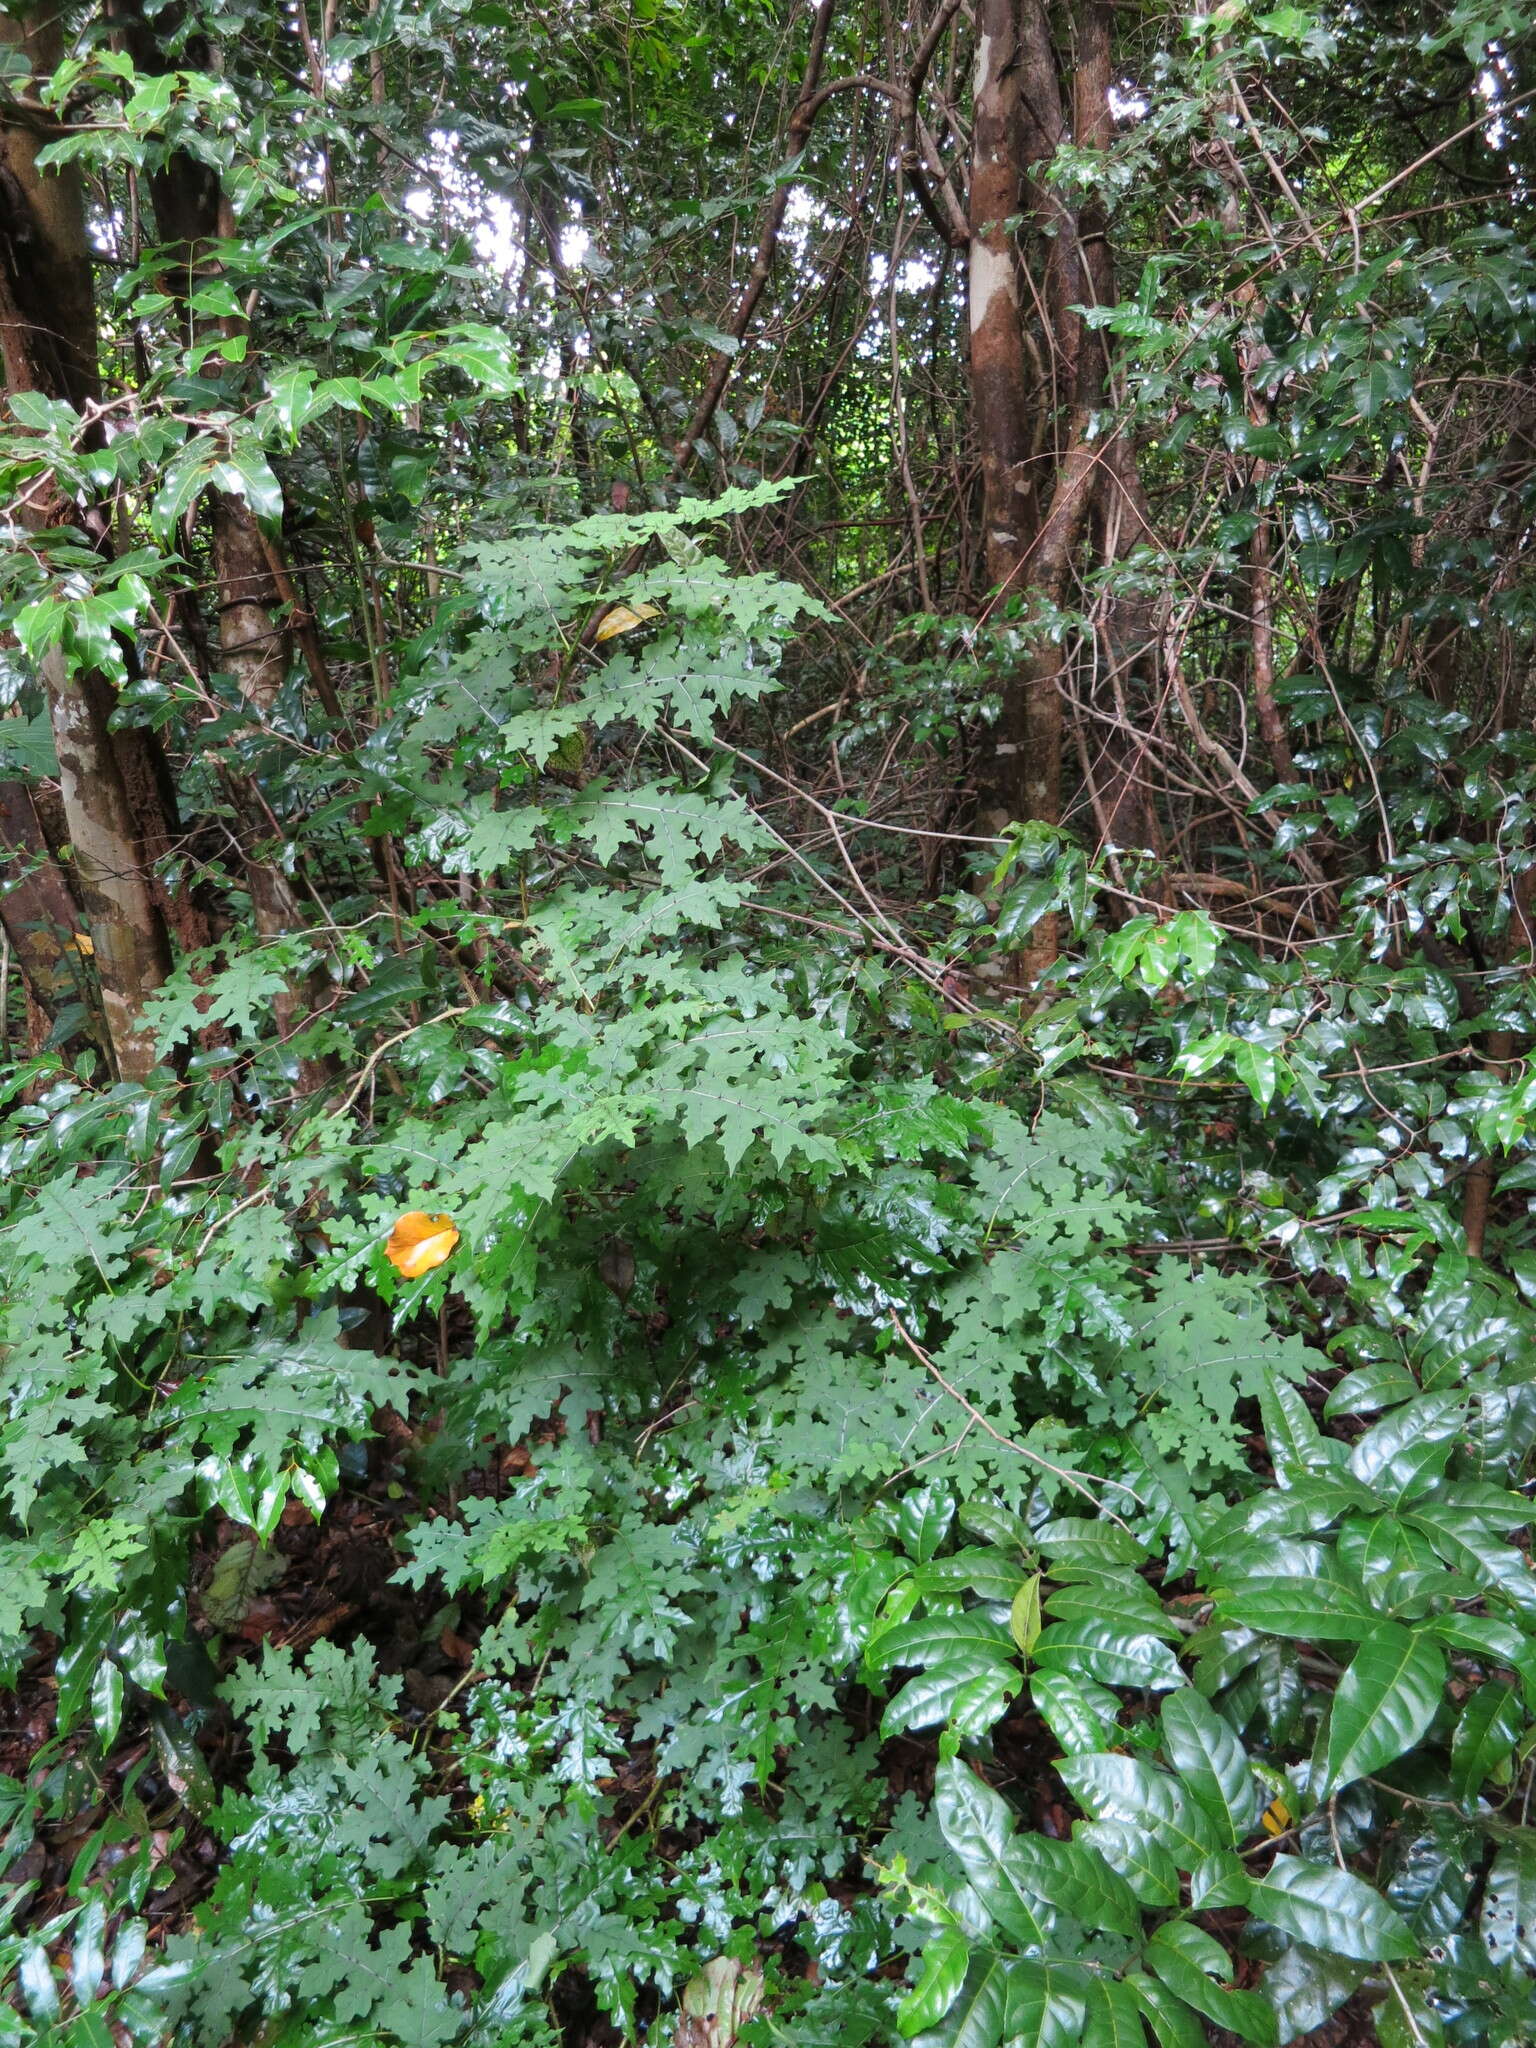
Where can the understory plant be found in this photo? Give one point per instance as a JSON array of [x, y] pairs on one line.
[[870, 1548]]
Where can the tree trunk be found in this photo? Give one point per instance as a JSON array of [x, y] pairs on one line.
[[1025, 424], [1001, 383], [999, 367], [48, 344], [39, 915]]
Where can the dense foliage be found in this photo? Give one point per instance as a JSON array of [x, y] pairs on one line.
[[948, 1454]]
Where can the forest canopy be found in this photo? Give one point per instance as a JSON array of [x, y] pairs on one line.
[[767, 900]]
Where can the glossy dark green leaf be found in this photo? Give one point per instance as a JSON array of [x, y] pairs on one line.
[[246, 473], [997, 1525], [1331, 1910], [1405, 1453], [1138, 1795], [1484, 1636], [1170, 2018], [923, 1520], [1017, 1874], [1211, 1760], [1312, 1610], [185, 478], [1079, 1712], [977, 2017], [1196, 1969], [107, 1694], [1383, 1385], [1431, 1877], [1147, 1867], [1470, 1547], [973, 1691], [88, 1960], [1007, 2000], [1076, 1880], [1218, 1880], [1382, 1706], [1309, 1504], [1074, 1540], [991, 1575], [940, 1639], [1486, 1732], [971, 1668], [1107, 1651], [979, 1827], [1509, 1903], [1297, 1448], [1381, 384], [1119, 1599], [1306, 1986], [79, 1661], [1113, 2017], [946, 1958], [1046, 2004], [1278, 1688], [1221, 1654]]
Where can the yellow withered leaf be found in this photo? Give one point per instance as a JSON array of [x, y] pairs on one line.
[[1276, 1817], [84, 944], [419, 1242], [623, 618]]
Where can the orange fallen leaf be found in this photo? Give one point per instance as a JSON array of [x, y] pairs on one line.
[[419, 1242]]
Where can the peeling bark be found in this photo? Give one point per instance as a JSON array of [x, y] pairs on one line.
[[132, 950], [999, 366]]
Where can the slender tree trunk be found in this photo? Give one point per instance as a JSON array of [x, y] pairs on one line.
[[999, 366], [48, 344], [1125, 665], [1033, 525], [1001, 381]]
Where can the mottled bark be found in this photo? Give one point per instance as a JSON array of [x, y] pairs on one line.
[[132, 951], [254, 642], [48, 344], [41, 920]]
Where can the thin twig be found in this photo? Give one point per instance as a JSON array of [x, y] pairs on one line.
[[379, 1051], [1068, 1476]]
